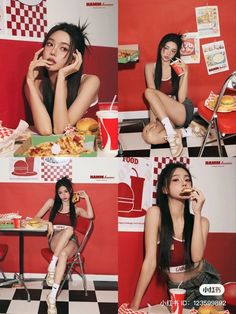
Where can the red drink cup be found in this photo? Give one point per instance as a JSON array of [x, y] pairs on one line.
[[16, 222], [178, 70], [108, 126], [177, 300]]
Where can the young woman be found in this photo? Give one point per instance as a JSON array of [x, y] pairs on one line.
[[166, 93], [175, 239], [63, 243], [57, 92]]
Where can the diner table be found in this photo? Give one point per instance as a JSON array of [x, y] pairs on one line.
[[21, 232]]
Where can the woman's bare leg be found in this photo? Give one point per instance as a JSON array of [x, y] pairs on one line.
[[66, 253], [60, 240], [164, 106]]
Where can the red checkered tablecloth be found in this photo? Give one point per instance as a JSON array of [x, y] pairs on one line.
[[28, 21], [5, 132]]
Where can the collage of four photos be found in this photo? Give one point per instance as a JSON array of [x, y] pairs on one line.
[[117, 157]]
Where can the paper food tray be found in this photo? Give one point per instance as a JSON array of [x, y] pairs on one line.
[[89, 144]]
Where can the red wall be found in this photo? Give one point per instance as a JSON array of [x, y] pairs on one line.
[[148, 22], [15, 57], [27, 198], [220, 251]]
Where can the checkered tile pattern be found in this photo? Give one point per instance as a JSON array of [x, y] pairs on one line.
[[26, 21], [159, 164], [133, 145], [52, 172], [102, 298]]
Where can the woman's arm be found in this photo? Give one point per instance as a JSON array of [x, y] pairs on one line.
[[200, 227], [152, 221], [87, 93], [149, 75], [183, 83], [45, 208], [89, 214], [40, 115]]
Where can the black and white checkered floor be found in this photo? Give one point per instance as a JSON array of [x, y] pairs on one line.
[[133, 145], [102, 298]]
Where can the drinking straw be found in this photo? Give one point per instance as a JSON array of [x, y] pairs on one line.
[[180, 284], [112, 103]]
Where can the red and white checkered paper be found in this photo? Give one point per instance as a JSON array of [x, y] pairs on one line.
[[5, 132], [51, 172], [27, 21], [123, 309], [159, 164]]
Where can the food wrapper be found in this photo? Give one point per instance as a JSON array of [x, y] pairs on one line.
[[123, 309], [8, 136], [210, 103], [193, 311]]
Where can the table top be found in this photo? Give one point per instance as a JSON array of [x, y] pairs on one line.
[[160, 309], [43, 228]]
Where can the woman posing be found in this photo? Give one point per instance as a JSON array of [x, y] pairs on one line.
[[57, 92], [63, 243], [175, 239], [170, 110]]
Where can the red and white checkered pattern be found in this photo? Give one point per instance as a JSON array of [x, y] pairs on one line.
[[123, 309], [55, 171], [159, 164], [27, 21], [5, 132]]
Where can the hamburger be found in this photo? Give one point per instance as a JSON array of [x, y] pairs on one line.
[[34, 223], [227, 100], [186, 191], [208, 309], [87, 126]]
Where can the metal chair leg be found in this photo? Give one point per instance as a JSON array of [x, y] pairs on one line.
[[83, 276], [4, 276], [205, 139], [218, 137]]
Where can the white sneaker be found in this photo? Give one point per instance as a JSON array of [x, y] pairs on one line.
[[51, 305], [176, 145]]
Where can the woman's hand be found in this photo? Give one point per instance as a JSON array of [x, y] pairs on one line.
[[35, 65], [182, 65], [83, 194], [198, 200], [50, 230], [72, 67]]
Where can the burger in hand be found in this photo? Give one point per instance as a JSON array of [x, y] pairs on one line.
[[87, 126]]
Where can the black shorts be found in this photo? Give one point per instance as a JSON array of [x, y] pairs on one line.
[[189, 109]]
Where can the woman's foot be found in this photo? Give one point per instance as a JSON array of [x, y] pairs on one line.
[[50, 278], [51, 303], [197, 129], [176, 145]]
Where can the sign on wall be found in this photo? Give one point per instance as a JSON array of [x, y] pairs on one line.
[[25, 20]]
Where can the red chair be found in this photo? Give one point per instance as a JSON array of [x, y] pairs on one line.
[[83, 231], [3, 253], [224, 123], [230, 293]]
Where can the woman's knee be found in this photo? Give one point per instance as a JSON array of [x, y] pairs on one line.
[[68, 231], [149, 93], [63, 255]]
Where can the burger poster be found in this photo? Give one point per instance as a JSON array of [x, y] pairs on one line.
[[25, 169], [134, 192]]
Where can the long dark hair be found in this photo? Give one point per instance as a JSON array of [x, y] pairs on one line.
[[58, 203], [78, 39], [176, 38], [167, 231]]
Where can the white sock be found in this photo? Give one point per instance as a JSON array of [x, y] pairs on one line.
[[186, 132], [52, 265], [54, 290], [168, 126]]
